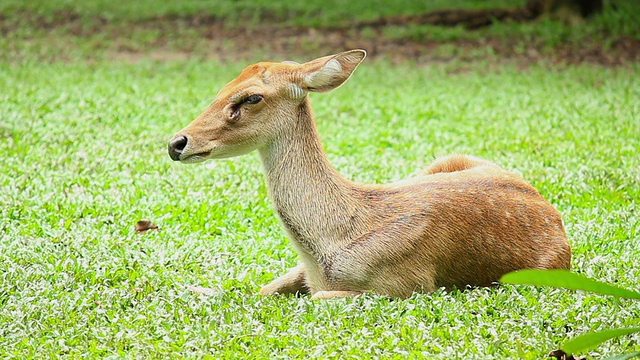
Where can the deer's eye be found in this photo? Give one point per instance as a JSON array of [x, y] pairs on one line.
[[252, 99]]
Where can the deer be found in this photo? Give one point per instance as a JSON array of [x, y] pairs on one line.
[[462, 222]]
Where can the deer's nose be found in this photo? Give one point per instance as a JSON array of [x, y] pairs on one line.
[[176, 146]]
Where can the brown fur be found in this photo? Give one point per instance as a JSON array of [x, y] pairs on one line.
[[465, 221]]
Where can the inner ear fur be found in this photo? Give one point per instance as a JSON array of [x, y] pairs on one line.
[[329, 72]]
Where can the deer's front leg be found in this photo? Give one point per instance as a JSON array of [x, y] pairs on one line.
[[291, 283]]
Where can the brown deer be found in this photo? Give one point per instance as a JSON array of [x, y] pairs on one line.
[[463, 222]]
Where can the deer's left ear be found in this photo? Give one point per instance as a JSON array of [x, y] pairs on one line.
[[329, 72]]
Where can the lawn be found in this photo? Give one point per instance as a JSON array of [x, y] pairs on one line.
[[85, 158]]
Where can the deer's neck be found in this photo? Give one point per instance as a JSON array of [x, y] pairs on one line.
[[316, 205]]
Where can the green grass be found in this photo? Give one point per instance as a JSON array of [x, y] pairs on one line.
[[85, 159], [84, 145]]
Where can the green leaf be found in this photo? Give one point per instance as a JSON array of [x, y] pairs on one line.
[[624, 356], [567, 280], [593, 339]]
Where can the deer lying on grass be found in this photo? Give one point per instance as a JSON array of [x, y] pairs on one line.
[[464, 222]]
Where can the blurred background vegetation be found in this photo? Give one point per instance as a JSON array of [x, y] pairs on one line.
[[526, 30]]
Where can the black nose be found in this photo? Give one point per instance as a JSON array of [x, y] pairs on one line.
[[176, 146]]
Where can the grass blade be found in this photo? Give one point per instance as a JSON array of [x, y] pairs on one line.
[[624, 356], [567, 280], [592, 339]]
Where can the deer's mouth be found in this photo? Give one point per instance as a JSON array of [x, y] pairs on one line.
[[195, 158]]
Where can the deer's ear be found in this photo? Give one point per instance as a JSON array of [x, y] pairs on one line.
[[329, 72]]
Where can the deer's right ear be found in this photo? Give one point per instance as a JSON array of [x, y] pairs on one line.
[[329, 72]]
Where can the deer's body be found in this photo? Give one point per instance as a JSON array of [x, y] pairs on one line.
[[465, 221]]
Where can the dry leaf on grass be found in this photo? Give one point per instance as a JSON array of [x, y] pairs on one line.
[[144, 225]]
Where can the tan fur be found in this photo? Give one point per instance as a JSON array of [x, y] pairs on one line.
[[464, 222]]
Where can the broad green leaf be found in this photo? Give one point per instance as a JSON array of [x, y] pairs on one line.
[[567, 280], [593, 339], [624, 356]]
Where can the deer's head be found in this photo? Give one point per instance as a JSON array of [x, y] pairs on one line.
[[255, 106]]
